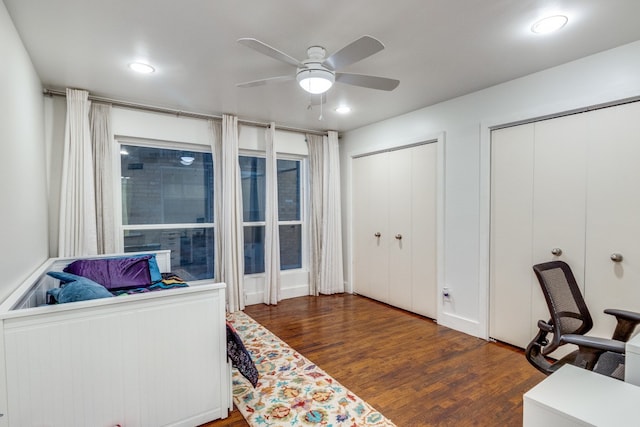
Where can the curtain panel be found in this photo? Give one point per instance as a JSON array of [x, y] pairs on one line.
[[316, 146], [229, 223], [77, 227], [331, 267], [272, 230], [216, 153], [326, 267], [103, 166]]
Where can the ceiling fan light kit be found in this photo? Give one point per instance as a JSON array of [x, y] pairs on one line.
[[315, 81]]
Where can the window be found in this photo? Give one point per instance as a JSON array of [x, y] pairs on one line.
[[252, 171], [289, 214], [167, 203]]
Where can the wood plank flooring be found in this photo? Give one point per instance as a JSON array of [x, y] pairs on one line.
[[412, 370]]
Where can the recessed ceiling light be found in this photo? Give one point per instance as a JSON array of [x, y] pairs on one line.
[[343, 109], [141, 67], [549, 24]]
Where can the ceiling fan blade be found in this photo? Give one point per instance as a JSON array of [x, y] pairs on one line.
[[266, 81], [265, 49], [371, 82], [363, 47]]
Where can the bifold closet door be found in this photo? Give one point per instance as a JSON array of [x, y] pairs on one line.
[[573, 185], [512, 154], [370, 226], [537, 215], [394, 223], [613, 219], [424, 257], [401, 237], [559, 200]]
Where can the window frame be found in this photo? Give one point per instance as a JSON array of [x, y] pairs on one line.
[[303, 221], [120, 228]]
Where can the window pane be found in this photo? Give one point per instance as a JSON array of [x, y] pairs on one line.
[[252, 172], [253, 250], [290, 246], [288, 190], [161, 186], [192, 250]]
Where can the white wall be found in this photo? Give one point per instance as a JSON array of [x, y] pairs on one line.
[[465, 121], [23, 192], [132, 123]]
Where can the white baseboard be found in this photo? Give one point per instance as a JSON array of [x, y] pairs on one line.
[[468, 326], [252, 298]]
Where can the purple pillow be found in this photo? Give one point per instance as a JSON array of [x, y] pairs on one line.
[[124, 272]]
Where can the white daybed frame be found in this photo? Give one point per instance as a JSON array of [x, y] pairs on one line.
[[154, 359]]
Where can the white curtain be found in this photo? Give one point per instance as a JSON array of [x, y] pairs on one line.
[[316, 147], [229, 222], [78, 233], [326, 222], [218, 178], [102, 142], [331, 268], [272, 231]]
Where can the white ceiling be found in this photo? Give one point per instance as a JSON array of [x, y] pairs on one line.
[[438, 49]]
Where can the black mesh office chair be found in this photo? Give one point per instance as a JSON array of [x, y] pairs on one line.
[[570, 320]]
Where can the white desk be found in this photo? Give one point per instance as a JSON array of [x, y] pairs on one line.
[[632, 361], [577, 397]]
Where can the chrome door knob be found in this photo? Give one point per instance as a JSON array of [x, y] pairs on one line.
[[399, 236], [556, 251], [617, 257], [377, 234]]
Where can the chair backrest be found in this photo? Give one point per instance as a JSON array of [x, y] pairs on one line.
[[569, 313]]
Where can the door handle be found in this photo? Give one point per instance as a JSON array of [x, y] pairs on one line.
[[617, 257], [377, 234], [556, 251], [399, 236]]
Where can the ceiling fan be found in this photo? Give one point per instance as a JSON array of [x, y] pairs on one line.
[[316, 74]]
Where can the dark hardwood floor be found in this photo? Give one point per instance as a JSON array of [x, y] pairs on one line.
[[414, 371]]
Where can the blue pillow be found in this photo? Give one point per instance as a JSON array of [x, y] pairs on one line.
[[76, 288], [154, 270]]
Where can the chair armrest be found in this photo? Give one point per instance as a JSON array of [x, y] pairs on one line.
[[624, 314], [544, 326], [595, 343], [627, 322]]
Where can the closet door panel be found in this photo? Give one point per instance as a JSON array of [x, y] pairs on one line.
[[424, 223], [613, 218], [511, 277], [400, 236], [370, 201], [559, 200]]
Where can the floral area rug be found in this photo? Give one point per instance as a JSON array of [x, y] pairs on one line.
[[291, 390]]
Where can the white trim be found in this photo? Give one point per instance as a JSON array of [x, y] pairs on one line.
[[170, 226], [117, 196], [440, 224], [484, 231], [461, 324], [161, 143]]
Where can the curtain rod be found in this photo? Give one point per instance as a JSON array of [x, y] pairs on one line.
[[178, 113]]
